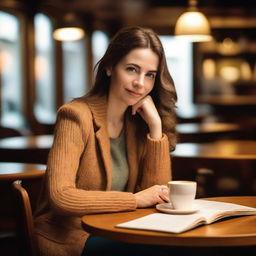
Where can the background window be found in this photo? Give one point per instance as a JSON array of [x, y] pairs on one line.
[[74, 69], [179, 60], [100, 43], [10, 72], [45, 104]]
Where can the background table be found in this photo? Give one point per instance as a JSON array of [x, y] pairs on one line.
[[20, 171], [29, 149], [233, 158], [31, 176], [238, 231], [205, 132], [223, 149]]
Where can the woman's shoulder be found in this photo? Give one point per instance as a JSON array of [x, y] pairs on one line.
[[86, 102], [75, 104], [85, 108], [77, 107]]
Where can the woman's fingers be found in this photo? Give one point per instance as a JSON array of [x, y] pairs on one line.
[[165, 193], [151, 196], [147, 110], [144, 103], [137, 106]]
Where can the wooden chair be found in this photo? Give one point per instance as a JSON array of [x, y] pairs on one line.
[[26, 231]]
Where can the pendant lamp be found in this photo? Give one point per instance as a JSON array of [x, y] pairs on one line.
[[193, 25], [68, 29]]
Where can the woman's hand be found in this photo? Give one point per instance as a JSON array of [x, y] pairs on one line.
[[147, 109], [151, 196]]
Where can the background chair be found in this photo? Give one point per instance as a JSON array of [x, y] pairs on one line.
[[6, 132], [26, 231]]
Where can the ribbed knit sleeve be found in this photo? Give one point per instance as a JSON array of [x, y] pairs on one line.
[[70, 141], [156, 165]]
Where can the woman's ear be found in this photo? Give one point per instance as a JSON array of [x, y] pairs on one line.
[[108, 71]]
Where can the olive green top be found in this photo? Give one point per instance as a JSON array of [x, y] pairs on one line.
[[120, 169]]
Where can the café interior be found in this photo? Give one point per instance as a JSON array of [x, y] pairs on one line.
[[211, 57]]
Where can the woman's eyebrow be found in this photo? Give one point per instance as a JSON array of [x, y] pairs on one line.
[[133, 64], [139, 67]]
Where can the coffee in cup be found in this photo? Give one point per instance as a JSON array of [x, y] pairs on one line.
[[182, 194]]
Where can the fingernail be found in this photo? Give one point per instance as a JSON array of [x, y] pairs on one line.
[[166, 199]]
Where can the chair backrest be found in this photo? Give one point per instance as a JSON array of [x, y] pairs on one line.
[[25, 222], [6, 132]]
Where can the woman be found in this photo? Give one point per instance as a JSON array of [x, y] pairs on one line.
[[111, 147]]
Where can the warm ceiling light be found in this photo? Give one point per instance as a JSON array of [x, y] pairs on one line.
[[69, 29], [68, 34], [193, 25]]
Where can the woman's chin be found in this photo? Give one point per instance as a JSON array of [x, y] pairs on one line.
[[132, 102]]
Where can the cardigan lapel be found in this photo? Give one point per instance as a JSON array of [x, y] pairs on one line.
[[104, 145], [98, 106], [132, 155]]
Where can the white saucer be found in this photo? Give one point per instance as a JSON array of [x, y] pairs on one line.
[[168, 208]]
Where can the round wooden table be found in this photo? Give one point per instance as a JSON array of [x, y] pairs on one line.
[[238, 231], [234, 158], [29, 149]]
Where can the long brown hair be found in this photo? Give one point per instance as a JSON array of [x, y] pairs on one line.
[[163, 93]]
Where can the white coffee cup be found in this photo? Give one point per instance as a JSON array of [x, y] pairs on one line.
[[182, 194]]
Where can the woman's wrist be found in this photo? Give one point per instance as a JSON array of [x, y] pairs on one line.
[[155, 130]]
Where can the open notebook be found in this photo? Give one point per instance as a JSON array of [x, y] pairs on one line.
[[208, 212]]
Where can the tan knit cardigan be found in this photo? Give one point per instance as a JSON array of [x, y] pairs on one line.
[[78, 176]]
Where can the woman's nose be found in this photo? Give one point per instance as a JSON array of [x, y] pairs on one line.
[[139, 81]]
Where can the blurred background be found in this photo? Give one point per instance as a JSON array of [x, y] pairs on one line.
[[215, 79], [48, 50]]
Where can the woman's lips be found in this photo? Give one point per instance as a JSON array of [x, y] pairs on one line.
[[134, 93]]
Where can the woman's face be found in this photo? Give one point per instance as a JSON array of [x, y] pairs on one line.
[[134, 76]]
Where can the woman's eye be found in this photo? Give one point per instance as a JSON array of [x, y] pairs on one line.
[[132, 69], [151, 75]]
